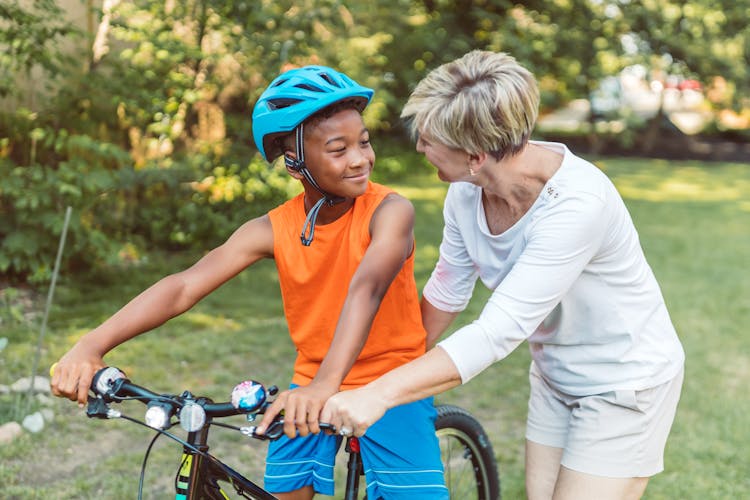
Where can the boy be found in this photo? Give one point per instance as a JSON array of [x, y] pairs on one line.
[[348, 289]]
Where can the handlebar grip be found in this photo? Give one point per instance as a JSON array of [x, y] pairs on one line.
[[276, 429], [110, 382], [222, 410]]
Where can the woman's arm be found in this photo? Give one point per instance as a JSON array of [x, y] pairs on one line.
[[430, 374]]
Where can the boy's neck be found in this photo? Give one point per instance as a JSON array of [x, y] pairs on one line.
[[327, 213]]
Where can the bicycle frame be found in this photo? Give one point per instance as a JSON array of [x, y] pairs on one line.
[[198, 473], [354, 469]]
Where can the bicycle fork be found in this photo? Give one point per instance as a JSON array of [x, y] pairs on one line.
[[188, 476]]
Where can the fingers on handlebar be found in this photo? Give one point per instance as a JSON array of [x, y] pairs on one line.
[[84, 383], [269, 415], [300, 417], [71, 381], [293, 420]]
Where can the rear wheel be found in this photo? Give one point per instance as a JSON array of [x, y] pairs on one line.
[[470, 467]]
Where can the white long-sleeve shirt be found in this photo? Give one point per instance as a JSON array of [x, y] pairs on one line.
[[570, 277]]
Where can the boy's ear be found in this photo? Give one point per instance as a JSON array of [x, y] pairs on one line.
[[294, 173]]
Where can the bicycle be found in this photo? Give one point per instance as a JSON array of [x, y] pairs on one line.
[[470, 466]]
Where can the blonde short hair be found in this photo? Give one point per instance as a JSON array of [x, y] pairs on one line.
[[482, 102]]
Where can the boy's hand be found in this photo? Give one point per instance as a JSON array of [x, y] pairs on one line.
[[72, 374], [355, 410], [301, 407]]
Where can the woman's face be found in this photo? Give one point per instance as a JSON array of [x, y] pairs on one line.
[[451, 163]]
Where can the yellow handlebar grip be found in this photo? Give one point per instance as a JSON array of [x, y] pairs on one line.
[[52, 369]]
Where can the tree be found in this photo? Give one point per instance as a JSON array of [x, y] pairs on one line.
[[700, 39], [28, 39]]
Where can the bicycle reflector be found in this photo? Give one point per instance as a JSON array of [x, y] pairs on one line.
[[192, 417], [157, 415], [248, 395]]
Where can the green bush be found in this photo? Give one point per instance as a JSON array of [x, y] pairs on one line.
[[119, 211]]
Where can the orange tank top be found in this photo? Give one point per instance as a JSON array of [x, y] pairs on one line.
[[314, 282]]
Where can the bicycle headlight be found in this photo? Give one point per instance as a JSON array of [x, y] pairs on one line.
[[192, 417], [157, 415]]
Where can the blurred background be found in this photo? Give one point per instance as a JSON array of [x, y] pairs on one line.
[[137, 113], [136, 116]]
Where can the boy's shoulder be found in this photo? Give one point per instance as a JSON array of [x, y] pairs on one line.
[[376, 189], [377, 193]]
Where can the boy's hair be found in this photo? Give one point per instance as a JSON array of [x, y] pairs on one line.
[[286, 142], [482, 102]]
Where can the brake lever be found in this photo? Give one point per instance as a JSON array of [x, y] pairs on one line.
[[98, 408], [274, 431]]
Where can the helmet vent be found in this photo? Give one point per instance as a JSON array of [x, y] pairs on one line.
[[280, 103], [282, 81], [311, 88], [327, 77]]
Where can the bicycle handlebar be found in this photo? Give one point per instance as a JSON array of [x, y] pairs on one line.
[[248, 398], [128, 389]]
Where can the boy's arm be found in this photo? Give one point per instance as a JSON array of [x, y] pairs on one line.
[[162, 301], [392, 241]]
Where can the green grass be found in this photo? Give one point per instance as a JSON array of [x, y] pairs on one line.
[[694, 223]]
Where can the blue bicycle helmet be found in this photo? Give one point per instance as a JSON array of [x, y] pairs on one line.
[[294, 96], [289, 100]]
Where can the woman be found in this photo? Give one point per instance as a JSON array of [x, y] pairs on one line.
[[550, 235]]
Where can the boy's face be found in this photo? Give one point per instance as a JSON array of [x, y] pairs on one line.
[[339, 155]]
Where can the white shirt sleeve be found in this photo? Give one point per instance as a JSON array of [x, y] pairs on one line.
[[452, 281], [560, 243]]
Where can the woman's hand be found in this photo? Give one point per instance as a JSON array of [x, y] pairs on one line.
[[358, 409], [72, 374], [353, 412]]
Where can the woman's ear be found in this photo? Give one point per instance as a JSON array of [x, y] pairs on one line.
[[476, 161]]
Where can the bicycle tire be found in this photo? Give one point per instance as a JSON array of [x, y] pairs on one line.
[[466, 451]]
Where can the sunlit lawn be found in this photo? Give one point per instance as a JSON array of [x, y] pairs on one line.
[[694, 222]]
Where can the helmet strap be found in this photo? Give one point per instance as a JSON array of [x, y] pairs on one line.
[[298, 165]]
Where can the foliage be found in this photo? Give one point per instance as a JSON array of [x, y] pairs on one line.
[[147, 133], [119, 210], [28, 40], [553, 39], [706, 39]]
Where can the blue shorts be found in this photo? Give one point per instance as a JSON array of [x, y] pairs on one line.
[[400, 454]]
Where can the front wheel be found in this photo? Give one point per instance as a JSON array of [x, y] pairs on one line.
[[465, 449]]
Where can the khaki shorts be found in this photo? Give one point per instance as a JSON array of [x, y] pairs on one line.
[[614, 434]]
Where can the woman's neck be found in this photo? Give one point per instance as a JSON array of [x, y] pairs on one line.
[[519, 179], [511, 186]]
